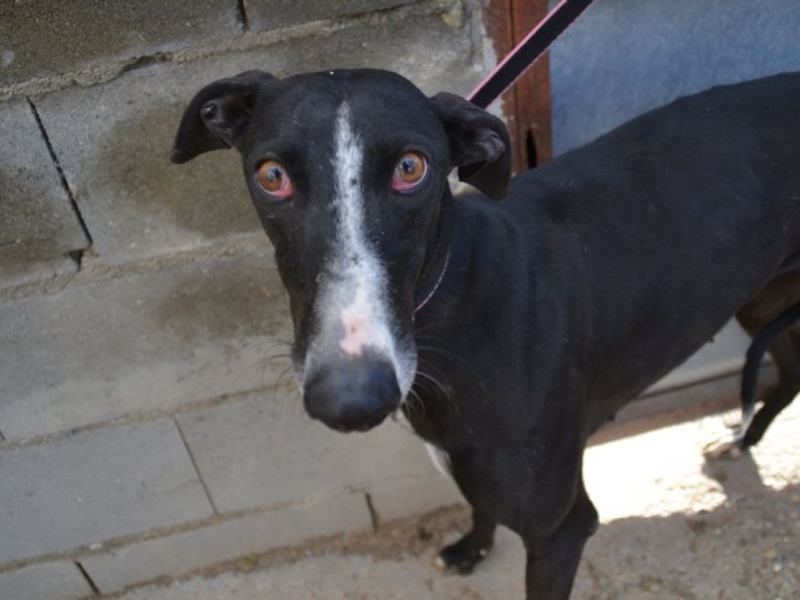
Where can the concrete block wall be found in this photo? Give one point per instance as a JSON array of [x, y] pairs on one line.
[[148, 424]]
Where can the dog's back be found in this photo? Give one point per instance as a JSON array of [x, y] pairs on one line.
[[675, 220]]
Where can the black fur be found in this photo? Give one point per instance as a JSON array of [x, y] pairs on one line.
[[600, 272]]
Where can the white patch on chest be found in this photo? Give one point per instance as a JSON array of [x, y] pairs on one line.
[[440, 458]]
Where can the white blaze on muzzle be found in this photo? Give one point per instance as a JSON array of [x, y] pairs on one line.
[[352, 305]]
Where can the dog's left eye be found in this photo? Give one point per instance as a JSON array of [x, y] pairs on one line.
[[272, 177], [410, 171]]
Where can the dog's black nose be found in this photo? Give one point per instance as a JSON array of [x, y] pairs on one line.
[[352, 394]]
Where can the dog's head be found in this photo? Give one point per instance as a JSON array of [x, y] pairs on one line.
[[348, 172]]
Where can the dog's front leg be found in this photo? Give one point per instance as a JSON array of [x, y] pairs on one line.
[[552, 565], [467, 552]]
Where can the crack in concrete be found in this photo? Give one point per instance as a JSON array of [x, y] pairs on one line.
[[145, 61], [100, 73], [373, 514], [94, 270], [87, 577], [243, 17], [59, 169], [197, 471]]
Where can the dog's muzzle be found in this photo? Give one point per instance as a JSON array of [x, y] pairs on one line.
[[352, 393]]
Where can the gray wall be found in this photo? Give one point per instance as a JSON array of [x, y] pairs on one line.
[[624, 57], [147, 420]]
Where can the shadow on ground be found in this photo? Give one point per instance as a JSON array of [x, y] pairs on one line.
[[674, 528]]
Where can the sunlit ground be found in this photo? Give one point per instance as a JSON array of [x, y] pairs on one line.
[[662, 471], [673, 527], [676, 526]]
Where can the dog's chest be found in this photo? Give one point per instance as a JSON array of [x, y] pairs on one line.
[[439, 458]]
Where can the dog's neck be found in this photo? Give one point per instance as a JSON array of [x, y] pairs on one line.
[[437, 255]]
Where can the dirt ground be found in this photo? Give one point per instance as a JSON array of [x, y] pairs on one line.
[[673, 527]]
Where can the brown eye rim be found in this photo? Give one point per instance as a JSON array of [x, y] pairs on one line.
[[404, 180], [273, 179]]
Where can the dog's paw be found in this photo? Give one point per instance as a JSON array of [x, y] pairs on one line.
[[722, 450], [461, 557]]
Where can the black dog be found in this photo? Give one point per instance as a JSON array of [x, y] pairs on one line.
[[751, 430], [507, 333]]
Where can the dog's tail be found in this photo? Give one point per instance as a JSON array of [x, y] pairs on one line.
[[755, 354]]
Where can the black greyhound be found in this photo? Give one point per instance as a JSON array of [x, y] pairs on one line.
[[506, 333]]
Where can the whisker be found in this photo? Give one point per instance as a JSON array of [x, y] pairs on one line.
[[415, 403], [427, 378], [271, 351], [459, 360], [289, 391]]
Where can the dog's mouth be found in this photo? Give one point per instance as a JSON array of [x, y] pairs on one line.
[[359, 428]]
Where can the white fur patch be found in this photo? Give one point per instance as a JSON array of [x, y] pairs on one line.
[[354, 300], [440, 459]]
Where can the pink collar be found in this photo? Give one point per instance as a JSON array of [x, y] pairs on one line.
[[436, 286]]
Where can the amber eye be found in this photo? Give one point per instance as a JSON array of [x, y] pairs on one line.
[[409, 172], [274, 180]]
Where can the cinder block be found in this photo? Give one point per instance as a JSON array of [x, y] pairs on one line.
[[39, 38], [49, 581], [94, 486], [149, 342], [228, 540], [38, 223], [115, 147], [620, 59], [115, 154], [414, 497], [260, 452], [274, 14]]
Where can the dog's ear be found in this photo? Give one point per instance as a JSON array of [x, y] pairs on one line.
[[479, 144], [218, 115]]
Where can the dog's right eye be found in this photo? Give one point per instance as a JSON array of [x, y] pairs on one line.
[[273, 179], [410, 171]]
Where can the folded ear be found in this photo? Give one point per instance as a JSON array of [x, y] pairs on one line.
[[479, 144], [218, 115]]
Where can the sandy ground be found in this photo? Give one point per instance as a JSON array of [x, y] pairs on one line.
[[674, 527]]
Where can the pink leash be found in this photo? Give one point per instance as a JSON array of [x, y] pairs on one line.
[[527, 51], [511, 68]]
